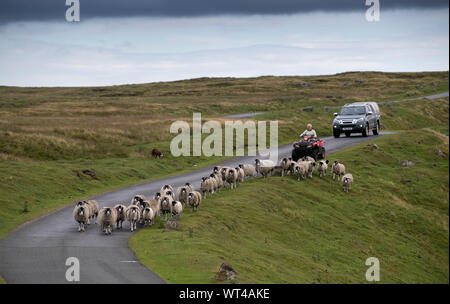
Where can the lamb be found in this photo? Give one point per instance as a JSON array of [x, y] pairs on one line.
[[166, 205], [285, 164], [177, 207], [182, 193], [194, 199], [264, 167], [338, 169], [157, 153], [107, 217], [133, 216], [81, 214], [206, 186], [148, 216], [232, 177], [322, 168], [240, 174], [249, 170], [347, 181], [121, 215]]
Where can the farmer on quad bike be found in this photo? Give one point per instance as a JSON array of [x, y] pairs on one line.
[[309, 145], [310, 132]]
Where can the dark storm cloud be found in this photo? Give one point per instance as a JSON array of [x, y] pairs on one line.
[[21, 10]]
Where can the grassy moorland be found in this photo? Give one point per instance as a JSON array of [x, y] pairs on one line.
[[280, 230], [49, 136]]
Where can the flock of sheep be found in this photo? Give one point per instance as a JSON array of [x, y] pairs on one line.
[[168, 202]]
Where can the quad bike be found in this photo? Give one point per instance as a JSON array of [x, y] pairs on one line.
[[308, 147]]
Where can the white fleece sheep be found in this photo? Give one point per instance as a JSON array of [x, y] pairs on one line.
[[107, 217], [177, 207], [194, 200], [137, 198], [310, 166], [149, 216], [182, 193], [133, 216], [166, 188], [264, 167], [347, 181], [218, 179], [232, 177], [338, 170], [249, 170], [81, 214], [206, 186], [240, 175], [285, 164], [322, 167], [166, 205], [121, 215], [155, 204]]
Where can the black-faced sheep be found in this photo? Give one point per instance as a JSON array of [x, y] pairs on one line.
[[338, 170], [347, 181], [155, 204], [232, 177], [206, 186], [81, 214], [121, 215], [249, 170], [240, 175], [194, 199], [166, 205], [182, 193], [285, 164], [322, 168], [107, 218], [264, 167], [133, 216], [148, 216], [137, 198], [177, 207]]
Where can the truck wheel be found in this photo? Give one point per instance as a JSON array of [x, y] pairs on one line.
[[336, 134], [365, 132], [377, 128]]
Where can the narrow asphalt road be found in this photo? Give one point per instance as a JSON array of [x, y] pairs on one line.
[[36, 252]]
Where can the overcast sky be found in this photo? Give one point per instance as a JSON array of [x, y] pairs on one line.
[[119, 42]]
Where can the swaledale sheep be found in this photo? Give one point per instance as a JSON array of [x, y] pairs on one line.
[[308, 158], [301, 170], [347, 181], [223, 173], [89, 209], [322, 168], [177, 207], [240, 175], [310, 165], [264, 167], [81, 214], [215, 184], [206, 186], [182, 193], [107, 218], [155, 204], [94, 208], [218, 179], [149, 216], [137, 198], [133, 216], [194, 199], [232, 177], [249, 170], [338, 170], [121, 215], [166, 205], [190, 186], [285, 164], [166, 188]]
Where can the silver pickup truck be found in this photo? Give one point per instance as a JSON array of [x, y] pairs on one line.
[[358, 117]]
